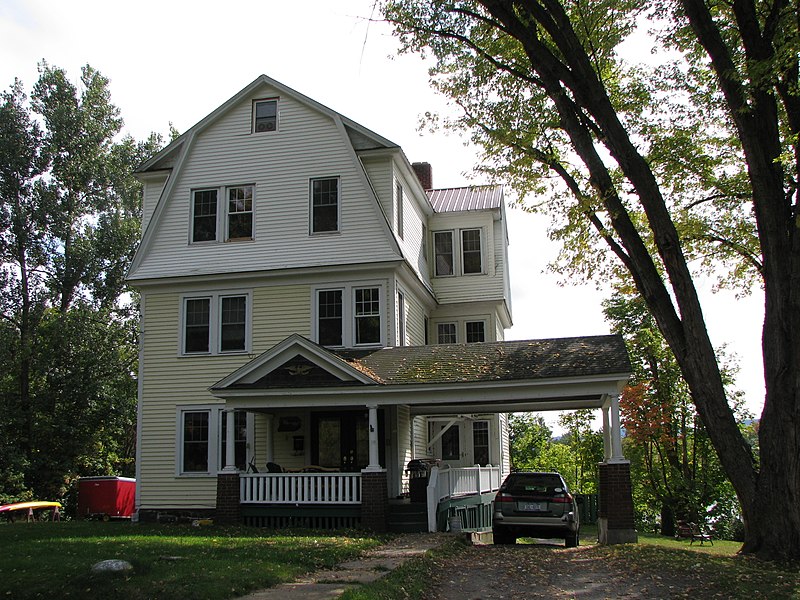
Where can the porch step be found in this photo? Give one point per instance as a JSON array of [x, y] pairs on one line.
[[408, 517]]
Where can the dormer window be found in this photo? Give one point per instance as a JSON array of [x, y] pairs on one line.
[[265, 116]]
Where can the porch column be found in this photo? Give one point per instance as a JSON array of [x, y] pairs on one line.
[[374, 454], [269, 440], [616, 432], [606, 433], [374, 484], [230, 441]]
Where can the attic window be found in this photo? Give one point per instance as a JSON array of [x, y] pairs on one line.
[[265, 116]]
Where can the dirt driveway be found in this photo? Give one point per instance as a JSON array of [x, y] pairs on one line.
[[542, 570]]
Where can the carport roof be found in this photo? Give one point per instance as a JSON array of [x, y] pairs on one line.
[[493, 361]]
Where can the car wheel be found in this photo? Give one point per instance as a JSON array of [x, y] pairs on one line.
[[571, 540]]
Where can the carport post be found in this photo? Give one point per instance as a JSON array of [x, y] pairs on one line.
[[615, 524]]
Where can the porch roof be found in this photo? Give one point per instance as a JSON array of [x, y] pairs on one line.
[[558, 373]]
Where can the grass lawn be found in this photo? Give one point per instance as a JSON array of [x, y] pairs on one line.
[[53, 560]]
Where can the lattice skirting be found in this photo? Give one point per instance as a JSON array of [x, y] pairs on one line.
[[280, 517]]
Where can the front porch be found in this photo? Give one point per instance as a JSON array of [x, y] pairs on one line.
[[368, 414]]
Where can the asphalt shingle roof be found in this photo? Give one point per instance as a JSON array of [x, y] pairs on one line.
[[494, 361]]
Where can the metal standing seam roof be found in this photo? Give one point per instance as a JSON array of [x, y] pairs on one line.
[[494, 361], [479, 197]]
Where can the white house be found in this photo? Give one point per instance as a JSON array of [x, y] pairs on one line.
[[314, 310]]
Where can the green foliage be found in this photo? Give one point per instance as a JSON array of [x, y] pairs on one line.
[[70, 210], [675, 471]]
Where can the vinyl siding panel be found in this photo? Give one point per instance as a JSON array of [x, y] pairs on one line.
[[468, 288], [171, 381], [419, 434], [404, 450], [151, 192], [279, 164]]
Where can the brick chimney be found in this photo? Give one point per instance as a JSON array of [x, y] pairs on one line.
[[424, 174]]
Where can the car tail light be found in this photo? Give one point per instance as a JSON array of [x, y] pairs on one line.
[[503, 497], [566, 499]]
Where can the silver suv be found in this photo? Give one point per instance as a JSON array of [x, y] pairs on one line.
[[535, 505]]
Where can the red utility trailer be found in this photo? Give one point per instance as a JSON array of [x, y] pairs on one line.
[[106, 497]]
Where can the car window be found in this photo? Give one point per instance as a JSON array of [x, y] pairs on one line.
[[523, 483]]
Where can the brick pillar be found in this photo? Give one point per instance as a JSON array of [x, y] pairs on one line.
[[374, 500], [227, 499], [615, 514]]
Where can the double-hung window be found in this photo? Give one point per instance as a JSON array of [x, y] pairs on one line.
[[349, 316], [443, 253], [464, 259], [476, 331], [265, 116], [367, 316], [324, 205], [401, 318], [201, 440], [215, 323], [329, 317], [195, 427], [233, 216], [471, 254], [399, 209], [240, 212], [204, 215], [446, 333]]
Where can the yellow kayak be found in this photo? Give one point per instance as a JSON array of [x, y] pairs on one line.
[[24, 505]]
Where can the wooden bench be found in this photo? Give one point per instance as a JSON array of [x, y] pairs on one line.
[[692, 531]]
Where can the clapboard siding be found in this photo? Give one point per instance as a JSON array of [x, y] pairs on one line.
[[151, 192], [170, 381], [468, 288], [308, 144]]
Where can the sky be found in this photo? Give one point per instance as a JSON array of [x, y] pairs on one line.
[[173, 62]]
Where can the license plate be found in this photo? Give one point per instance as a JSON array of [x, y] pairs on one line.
[[533, 506]]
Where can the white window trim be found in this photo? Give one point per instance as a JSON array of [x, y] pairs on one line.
[[398, 209], [485, 329], [402, 317], [348, 312], [222, 216], [215, 459], [215, 322], [461, 328], [192, 192], [276, 100], [436, 330], [458, 252], [338, 229], [226, 214]]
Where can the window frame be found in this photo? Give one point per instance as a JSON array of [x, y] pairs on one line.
[[254, 120], [215, 322], [398, 192], [458, 252], [436, 253], [251, 212], [439, 326], [367, 315], [311, 212], [482, 322], [215, 460], [348, 295], [463, 251], [193, 216], [402, 319]]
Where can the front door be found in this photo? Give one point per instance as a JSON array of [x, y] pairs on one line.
[[341, 440]]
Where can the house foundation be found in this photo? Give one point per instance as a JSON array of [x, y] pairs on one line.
[[615, 524]]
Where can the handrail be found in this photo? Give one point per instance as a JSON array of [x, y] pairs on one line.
[[300, 488], [452, 482]]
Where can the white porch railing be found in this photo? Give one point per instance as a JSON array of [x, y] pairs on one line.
[[300, 488], [452, 482]]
